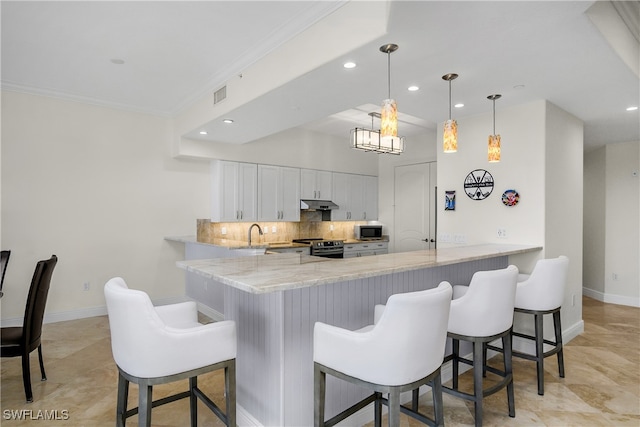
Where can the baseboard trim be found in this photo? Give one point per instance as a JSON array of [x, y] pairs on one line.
[[611, 298], [84, 313]]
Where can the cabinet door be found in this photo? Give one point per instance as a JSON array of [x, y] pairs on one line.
[[356, 198], [233, 191], [225, 205], [308, 184], [371, 198], [315, 184], [289, 194], [248, 191], [278, 193], [268, 182], [324, 185], [340, 196]]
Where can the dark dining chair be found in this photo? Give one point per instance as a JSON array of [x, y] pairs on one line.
[[4, 259], [22, 340]]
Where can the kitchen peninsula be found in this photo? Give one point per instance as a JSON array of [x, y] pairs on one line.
[[276, 300]]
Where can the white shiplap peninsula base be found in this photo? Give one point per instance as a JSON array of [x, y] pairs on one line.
[[276, 300]]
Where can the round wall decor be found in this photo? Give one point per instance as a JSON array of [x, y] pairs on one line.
[[510, 198], [478, 184]]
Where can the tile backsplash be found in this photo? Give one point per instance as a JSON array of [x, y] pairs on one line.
[[309, 226]]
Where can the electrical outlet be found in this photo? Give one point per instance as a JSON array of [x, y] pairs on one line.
[[459, 238], [223, 230], [86, 286], [502, 233], [573, 300], [330, 227], [273, 229], [614, 276]]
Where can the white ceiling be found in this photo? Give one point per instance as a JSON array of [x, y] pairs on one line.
[[176, 52]]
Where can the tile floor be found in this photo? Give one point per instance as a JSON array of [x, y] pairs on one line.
[[601, 388]]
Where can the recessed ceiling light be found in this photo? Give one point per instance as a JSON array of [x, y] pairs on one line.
[[228, 121], [459, 105], [203, 132], [349, 65], [634, 108], [117, 61], [413, 88]]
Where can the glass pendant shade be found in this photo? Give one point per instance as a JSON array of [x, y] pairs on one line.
[[365, 139], [389, 118], [450, 136], [386, 140], [494, 148], [391, 144], [493, 152]]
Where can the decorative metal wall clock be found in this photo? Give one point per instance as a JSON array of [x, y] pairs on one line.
[[478, 184]]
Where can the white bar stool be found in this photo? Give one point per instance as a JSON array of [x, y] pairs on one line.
[[483, 312], [400, 352], [538, 294], [157, 345]]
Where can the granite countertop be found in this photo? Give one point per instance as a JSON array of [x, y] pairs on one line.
[[279, 272], [236, 244]]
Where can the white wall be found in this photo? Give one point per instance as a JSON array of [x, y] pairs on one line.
[[594, 220], [99, 188], [521, 168], [96, 187], [541, 159], [612, 253], [296, 148], [622, 214]]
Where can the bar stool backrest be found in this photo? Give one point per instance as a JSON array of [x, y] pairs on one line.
[[545, 287], [487, 307]]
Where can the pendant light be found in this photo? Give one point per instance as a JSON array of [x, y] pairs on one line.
[[389, 140], [366, 139], [450, 134], [494, 140]]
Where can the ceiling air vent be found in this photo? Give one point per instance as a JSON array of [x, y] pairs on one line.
[[219, 95]]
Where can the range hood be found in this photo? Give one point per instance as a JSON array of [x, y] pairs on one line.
[[317, 205]]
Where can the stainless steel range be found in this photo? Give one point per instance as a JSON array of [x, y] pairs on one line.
[[324, 248]]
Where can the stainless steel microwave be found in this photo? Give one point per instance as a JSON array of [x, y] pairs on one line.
[[368, 231]]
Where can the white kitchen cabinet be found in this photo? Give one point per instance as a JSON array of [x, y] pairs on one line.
[[356, 197], [340, 196], [278, 193], [353, 250], [370, 198], [316, 184], [233, 191]]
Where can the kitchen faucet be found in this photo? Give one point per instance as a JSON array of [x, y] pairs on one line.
[[251, 228]]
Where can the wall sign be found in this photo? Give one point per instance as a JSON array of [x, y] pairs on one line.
[[449, 200], [478, 184], [510, 198]]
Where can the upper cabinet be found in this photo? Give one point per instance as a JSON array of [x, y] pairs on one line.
[[356, 197], [248, 192], [316, 184], [370, 198], [278, 193], [233, 191]]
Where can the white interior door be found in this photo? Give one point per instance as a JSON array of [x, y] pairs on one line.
[[415, 207]]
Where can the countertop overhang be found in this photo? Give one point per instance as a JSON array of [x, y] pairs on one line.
[[279, 272]]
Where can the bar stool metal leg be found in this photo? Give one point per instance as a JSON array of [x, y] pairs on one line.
[[508, 369], [478, 370], [319, 390], [557, 326]]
